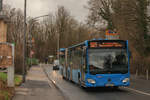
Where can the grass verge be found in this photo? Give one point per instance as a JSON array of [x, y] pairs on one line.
[[5, 92], [5, 95], [18, 79]]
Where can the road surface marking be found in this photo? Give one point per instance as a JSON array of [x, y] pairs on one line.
[[138, 91]]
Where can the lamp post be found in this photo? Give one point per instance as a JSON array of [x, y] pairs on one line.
[[24, 43], [1, 5], [58, 45], [31, 24], [30, 30]]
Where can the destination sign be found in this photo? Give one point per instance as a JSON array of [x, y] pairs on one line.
[[108, 44]]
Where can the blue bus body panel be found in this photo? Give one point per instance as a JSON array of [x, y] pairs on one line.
[[105, 79], [128, 57]]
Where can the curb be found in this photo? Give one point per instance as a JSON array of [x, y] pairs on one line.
[[56, 85]]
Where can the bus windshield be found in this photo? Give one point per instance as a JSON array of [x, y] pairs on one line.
[[108, 61]]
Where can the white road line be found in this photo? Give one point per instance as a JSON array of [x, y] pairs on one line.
[[138, 91]]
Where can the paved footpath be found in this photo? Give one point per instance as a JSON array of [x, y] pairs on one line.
[[37, 87]]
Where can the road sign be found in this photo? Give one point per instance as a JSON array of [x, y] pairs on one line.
[[6, 55], [111, 35], [31, 53]]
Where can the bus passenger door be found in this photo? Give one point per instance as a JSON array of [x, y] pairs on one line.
[[66, 63], [83, 66]]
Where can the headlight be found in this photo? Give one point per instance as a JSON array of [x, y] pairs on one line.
[[126, 80], [91, 81]]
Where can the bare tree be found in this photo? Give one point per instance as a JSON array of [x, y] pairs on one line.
[[15, 33], [100, 13], [44, 33]]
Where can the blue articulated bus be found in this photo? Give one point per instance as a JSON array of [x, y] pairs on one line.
[[97, 63]]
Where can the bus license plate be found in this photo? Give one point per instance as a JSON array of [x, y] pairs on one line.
[[109, 85]]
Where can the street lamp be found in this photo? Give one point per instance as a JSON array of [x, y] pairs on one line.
[[31, 24], [39, 17], [1, 5], [58, 44], [24, 42], [32, 21], [30, 29]]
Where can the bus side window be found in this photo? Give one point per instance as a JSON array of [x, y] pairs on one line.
[[84, 60]]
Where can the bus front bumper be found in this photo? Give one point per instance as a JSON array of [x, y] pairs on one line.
[[107, 81]]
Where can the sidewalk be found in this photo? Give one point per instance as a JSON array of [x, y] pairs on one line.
[[37, 87]]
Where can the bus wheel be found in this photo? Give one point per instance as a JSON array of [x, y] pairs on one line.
[[79, 82]]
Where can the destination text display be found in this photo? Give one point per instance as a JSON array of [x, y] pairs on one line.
[[107, 44]]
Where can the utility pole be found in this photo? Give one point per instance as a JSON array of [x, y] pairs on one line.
[[58, 45], [1, 5], [24, 44]]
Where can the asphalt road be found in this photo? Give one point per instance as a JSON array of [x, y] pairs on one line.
[[74, 92]]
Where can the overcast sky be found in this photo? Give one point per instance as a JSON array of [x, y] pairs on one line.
[[42, 7]]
